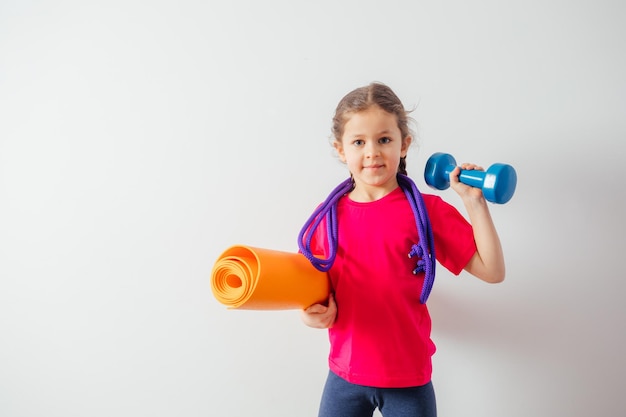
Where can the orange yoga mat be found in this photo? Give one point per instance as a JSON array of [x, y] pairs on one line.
[[250, 278]]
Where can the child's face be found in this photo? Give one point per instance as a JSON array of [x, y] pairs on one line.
[[372, 146]]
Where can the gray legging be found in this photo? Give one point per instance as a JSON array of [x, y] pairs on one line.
[[343, 399]]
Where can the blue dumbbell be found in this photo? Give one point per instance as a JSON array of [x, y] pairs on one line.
[[498, 182]]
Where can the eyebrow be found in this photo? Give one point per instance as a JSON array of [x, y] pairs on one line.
[[381, 133]]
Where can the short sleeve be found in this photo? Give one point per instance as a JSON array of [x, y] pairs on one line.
[[453, 234]]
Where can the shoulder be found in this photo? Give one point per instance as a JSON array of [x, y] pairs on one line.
[[433, 201], [437, 207]]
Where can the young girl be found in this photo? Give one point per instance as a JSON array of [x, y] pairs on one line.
[[379, 327]]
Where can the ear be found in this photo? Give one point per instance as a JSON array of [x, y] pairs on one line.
[[405, 146], [340, 151]]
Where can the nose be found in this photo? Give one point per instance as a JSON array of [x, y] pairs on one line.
[[371, 149]]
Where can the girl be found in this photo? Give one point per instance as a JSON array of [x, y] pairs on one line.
[[379, 328]]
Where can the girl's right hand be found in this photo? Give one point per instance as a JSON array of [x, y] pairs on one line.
[[320, 316]]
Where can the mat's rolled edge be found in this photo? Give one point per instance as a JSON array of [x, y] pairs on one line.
[[230, 281], [275, 280]]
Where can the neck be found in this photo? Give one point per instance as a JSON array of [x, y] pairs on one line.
[[364, 194]]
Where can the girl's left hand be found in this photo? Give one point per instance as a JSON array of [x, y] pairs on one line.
[[463, 190]]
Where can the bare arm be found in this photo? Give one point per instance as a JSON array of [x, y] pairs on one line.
[[320, 316], [488, 261]]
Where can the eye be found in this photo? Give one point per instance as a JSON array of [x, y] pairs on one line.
[[358, 142], [384, 140]]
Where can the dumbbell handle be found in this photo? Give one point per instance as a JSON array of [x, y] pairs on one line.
[[471, 177]]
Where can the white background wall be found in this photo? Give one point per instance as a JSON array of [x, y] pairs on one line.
[[139, 139]]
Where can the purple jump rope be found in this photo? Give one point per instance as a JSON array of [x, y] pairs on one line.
[[424, 249]]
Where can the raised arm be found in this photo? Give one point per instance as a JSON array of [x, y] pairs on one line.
[[488, 261]]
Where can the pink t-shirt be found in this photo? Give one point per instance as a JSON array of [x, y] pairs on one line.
[[381, 337]]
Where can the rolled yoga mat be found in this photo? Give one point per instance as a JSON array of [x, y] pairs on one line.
[[250, 278]]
